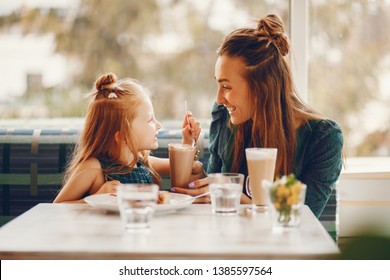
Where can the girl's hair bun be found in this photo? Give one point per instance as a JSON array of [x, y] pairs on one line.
[[106, 81]]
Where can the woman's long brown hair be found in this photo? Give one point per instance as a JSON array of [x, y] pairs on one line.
[[268, 73], [104, 117]]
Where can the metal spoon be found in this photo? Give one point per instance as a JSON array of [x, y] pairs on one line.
[[197, 196]]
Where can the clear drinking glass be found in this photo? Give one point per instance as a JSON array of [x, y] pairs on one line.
[[225, 192], [261, 166], [181, 159], [136, 205]]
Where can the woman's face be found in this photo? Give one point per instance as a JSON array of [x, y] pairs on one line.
[[233, 89], [145, 126]]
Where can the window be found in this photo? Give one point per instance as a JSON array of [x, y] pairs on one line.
[[52, 51], [56, 49], [349, 70]]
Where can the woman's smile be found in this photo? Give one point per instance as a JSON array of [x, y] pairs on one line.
[[231, 109]]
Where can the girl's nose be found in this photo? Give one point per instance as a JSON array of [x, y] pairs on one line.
[[158, 125]]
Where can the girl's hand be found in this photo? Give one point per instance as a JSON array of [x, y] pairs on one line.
[[109, 187], [190, 130]]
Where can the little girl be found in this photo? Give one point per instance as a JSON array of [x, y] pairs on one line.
[[119, 131]]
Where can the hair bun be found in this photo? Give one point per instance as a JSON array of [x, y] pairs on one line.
[[272, 27], [282, 43], [105, 81]]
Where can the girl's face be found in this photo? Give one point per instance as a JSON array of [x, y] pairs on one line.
[[233, 90], [145, 126]]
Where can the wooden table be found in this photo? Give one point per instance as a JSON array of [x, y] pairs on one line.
[[79, 231]]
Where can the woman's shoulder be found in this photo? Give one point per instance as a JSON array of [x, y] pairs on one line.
[[323, 126], [327, 124], [324, 132]]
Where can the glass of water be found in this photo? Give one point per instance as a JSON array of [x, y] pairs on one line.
[[136, 204], [225, 192]]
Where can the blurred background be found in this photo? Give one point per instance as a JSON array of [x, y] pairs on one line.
[[51, 52]]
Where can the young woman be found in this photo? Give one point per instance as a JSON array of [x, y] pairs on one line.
[[258, 106], [119, 131]]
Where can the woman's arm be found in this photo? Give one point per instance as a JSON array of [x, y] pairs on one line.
[[324, 162]]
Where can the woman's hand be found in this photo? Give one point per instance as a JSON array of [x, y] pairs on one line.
[[190, 130], [109, 187], [197, 171], [196, 188]]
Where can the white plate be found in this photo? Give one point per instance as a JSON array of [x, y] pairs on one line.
[[107, 201]]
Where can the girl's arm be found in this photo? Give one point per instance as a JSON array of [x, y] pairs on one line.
[[81, 182], [161, 165]]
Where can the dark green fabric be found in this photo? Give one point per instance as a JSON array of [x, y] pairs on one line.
[[318, 156], [139, 174]]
